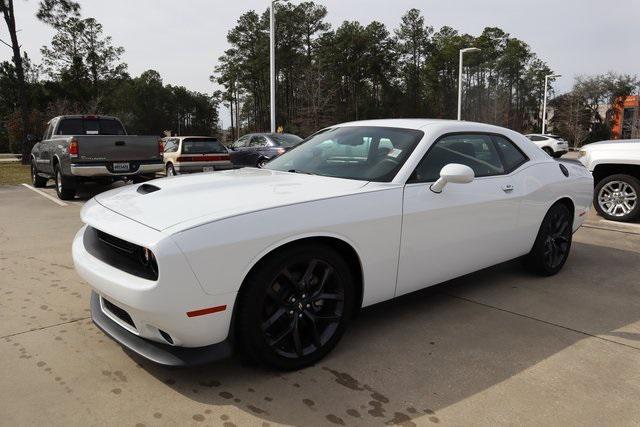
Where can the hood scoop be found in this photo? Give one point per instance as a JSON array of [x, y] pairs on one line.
[[147, 188]]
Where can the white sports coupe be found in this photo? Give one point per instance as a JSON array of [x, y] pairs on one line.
[[275, 262]]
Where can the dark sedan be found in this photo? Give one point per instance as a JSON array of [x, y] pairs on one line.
[[256, 149]]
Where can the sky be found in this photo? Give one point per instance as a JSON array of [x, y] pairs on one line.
[[183, 39]]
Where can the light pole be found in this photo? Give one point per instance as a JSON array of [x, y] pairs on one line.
[[272, 62], [544, 103], [462, 52]]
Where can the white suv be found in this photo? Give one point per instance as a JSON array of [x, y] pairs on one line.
[[615, 166], [553, 145]]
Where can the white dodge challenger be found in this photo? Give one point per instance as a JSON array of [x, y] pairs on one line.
[[275, 262]]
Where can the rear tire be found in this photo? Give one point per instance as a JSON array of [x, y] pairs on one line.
[[295, 307], [171, 171], [616, 197], [37, 180], [262, 162], [553, 243], [548, 150], [65, 186]]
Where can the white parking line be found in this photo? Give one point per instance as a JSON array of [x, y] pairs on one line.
[[42, 193]]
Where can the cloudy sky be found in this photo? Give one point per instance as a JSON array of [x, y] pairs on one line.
[[183, 39]]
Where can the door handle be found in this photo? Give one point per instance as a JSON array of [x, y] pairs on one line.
[[507, 188]]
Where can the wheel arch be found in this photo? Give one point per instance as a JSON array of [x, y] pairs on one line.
[[603, 170], [568, 202], [337, 243]]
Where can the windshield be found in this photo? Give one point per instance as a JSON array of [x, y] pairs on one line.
[[285, 139], [361, 152], [202, 146]]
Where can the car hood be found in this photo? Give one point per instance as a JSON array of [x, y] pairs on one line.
[[615, 145], [189, 200]]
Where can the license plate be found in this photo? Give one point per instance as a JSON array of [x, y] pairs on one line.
[[121, 167], [207, 169]]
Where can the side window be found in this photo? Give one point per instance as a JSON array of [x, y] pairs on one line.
[[47, 132], [512, 157], [242, 142], [170, 146], [476, 151], [258, 141]]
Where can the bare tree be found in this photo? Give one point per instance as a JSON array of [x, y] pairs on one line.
[[50, 9]]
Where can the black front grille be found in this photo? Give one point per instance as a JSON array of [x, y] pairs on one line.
[[119, 254], [118, 312]]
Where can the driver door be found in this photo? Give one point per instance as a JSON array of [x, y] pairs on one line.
[[466, 227]]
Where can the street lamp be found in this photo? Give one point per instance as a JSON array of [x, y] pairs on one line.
[[462, 52], [272, 62], [544, 103]]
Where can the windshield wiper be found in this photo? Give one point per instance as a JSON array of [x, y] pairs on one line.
[[299, 171]]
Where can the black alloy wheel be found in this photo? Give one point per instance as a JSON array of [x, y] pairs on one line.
[[553, 243], [297, 307]]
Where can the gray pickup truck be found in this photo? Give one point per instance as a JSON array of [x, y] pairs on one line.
[[76, 149]]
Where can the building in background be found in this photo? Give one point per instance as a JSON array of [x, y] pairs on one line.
[[626, 119]]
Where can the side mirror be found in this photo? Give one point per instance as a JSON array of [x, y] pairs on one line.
[[453, 173]]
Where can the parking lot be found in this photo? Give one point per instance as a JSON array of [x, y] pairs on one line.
[[498, 346]]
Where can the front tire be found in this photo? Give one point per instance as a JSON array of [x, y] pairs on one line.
[[553, 243], [37, 180], [171, 170], [616, 197], [65, 187], [262, 162], [295, 307]]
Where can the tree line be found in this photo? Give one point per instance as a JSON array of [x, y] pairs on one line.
[[325, 75], [367, 71], [82, 73]]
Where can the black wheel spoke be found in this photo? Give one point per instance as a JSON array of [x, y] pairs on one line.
[[308, 274], [324, 317], [297, 342], [283, 335], [319, 297], [274, 318], [314, 331]]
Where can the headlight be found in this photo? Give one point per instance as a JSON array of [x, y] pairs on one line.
[[582, 153], [148, 260]]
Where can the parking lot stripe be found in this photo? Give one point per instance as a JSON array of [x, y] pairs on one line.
[[42, 193]]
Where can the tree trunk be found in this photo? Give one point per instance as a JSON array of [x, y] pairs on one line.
[[23, 99]]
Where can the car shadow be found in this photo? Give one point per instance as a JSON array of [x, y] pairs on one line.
[[414, 356]]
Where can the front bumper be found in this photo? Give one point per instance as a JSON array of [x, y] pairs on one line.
[[162, 354], [155, 309], [95, 170]]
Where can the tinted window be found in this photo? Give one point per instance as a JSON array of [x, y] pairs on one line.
[[202, 146], [258, 141], [359, 152], [476, 151], [285, 139], [512, 157], [83, 126], [242, 142]]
